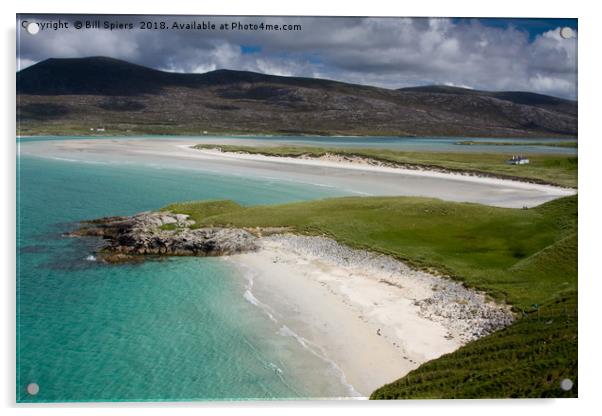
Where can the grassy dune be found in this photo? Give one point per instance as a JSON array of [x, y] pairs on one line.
[[544, 168], [527, 257]]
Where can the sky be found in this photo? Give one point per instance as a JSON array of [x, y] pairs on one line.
[[481, 53]]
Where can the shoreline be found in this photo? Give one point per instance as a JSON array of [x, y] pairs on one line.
[[371, 315], [363, 163]]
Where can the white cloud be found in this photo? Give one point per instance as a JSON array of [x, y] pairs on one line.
[[23, 63], [387, 52]]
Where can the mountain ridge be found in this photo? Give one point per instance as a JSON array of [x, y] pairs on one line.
[[518, 97], [82, 93], [99, 65]]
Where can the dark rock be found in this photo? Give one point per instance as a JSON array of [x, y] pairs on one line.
[[128, 238]]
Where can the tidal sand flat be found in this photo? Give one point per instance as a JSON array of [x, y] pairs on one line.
[[372, 316], [344, 177]]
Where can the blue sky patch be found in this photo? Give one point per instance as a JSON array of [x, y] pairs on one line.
[[249, 49]]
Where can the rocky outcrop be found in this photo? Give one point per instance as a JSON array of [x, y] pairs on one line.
[[163, 233]]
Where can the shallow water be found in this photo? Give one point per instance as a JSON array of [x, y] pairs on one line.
[[418, 144], [177, 329]]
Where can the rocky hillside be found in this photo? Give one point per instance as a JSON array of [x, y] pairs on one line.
[[79, 96]]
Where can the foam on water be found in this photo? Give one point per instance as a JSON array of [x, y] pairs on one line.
[[285, 331], [317, 351]]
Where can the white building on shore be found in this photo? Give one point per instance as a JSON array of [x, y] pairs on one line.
[[518, 160]]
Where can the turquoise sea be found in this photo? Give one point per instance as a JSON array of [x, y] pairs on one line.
[[177, 329]]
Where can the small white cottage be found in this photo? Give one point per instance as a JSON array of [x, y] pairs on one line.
[[518, 160]]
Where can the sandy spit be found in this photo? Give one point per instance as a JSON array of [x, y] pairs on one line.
[[359, 163]]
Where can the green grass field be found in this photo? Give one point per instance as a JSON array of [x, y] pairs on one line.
[[544, 168], [526, 257]]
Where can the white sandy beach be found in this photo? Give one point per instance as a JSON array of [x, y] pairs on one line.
[[372, 316], [349, 178]]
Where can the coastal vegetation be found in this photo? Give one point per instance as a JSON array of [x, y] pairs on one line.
[[544, 168], [525, 257]]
